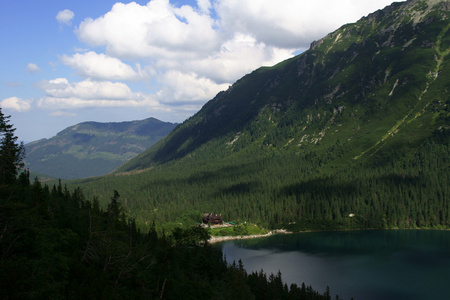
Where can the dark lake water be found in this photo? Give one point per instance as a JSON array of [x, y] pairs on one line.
[[365, 265]]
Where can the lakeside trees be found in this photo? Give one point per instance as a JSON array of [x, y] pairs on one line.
[[60, 244], [55, 244]]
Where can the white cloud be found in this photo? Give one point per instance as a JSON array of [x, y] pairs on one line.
[[16, 104], [152, 31], [291, 23], [182, 94], [180, 87], [101, 66], [221, 42], [32, 68], [61, 94], [159, 30], [86, 89], [65, 17], [237, 57], [204, 6]]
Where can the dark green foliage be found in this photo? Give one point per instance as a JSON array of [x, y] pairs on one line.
[[273, 288], [400, 187], [12, 153], [56, 244]]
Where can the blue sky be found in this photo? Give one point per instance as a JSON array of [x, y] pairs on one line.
[[66, 61]]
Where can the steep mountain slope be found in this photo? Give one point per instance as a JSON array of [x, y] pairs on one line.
[[353, 133], [361, 86], [92, 149]]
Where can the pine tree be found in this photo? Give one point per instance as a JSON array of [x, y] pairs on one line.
[[12, 153]]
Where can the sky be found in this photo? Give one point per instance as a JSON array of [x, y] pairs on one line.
[[69, 61]]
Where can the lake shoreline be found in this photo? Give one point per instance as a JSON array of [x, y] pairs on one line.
[[220, 239]]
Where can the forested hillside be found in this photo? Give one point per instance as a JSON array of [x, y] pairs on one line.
[[93, 149], [57, 244], [398, 189], [353, 133]]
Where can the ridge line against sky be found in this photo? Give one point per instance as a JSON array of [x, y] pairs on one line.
[[66, 62]]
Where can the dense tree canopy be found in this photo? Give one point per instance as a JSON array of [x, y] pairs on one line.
[[58, 244]]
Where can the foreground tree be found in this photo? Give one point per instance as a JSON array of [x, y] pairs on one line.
[[12, 153]]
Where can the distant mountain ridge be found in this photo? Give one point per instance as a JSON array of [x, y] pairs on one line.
[[362, 86], [92, 148]]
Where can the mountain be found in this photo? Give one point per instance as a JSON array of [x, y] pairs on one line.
[[352, 133], [92, 149], [383, 78]]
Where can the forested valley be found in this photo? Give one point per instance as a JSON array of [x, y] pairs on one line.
[[56, 244], [351, 134], [396, 189], [59, 244]]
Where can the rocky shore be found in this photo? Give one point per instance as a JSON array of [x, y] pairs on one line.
[[218, 239]]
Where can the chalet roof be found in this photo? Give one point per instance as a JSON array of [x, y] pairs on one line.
[[212, 218]]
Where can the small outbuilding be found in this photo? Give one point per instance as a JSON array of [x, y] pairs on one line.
[[213, 219]]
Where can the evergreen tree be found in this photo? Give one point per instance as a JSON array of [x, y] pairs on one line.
[[12, 153]]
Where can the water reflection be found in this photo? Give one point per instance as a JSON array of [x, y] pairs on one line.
[[397, 264]]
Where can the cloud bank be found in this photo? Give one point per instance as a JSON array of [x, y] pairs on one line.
[[61, 94], [101, 66]]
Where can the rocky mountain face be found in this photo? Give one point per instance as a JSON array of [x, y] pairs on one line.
[[92, 149], [378, 84]]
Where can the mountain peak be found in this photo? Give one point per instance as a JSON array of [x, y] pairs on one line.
[[93, 148], [362, 86]]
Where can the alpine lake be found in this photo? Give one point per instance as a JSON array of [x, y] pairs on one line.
[[365, 265]]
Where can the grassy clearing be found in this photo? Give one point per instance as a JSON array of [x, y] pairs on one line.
[[237, 230]]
